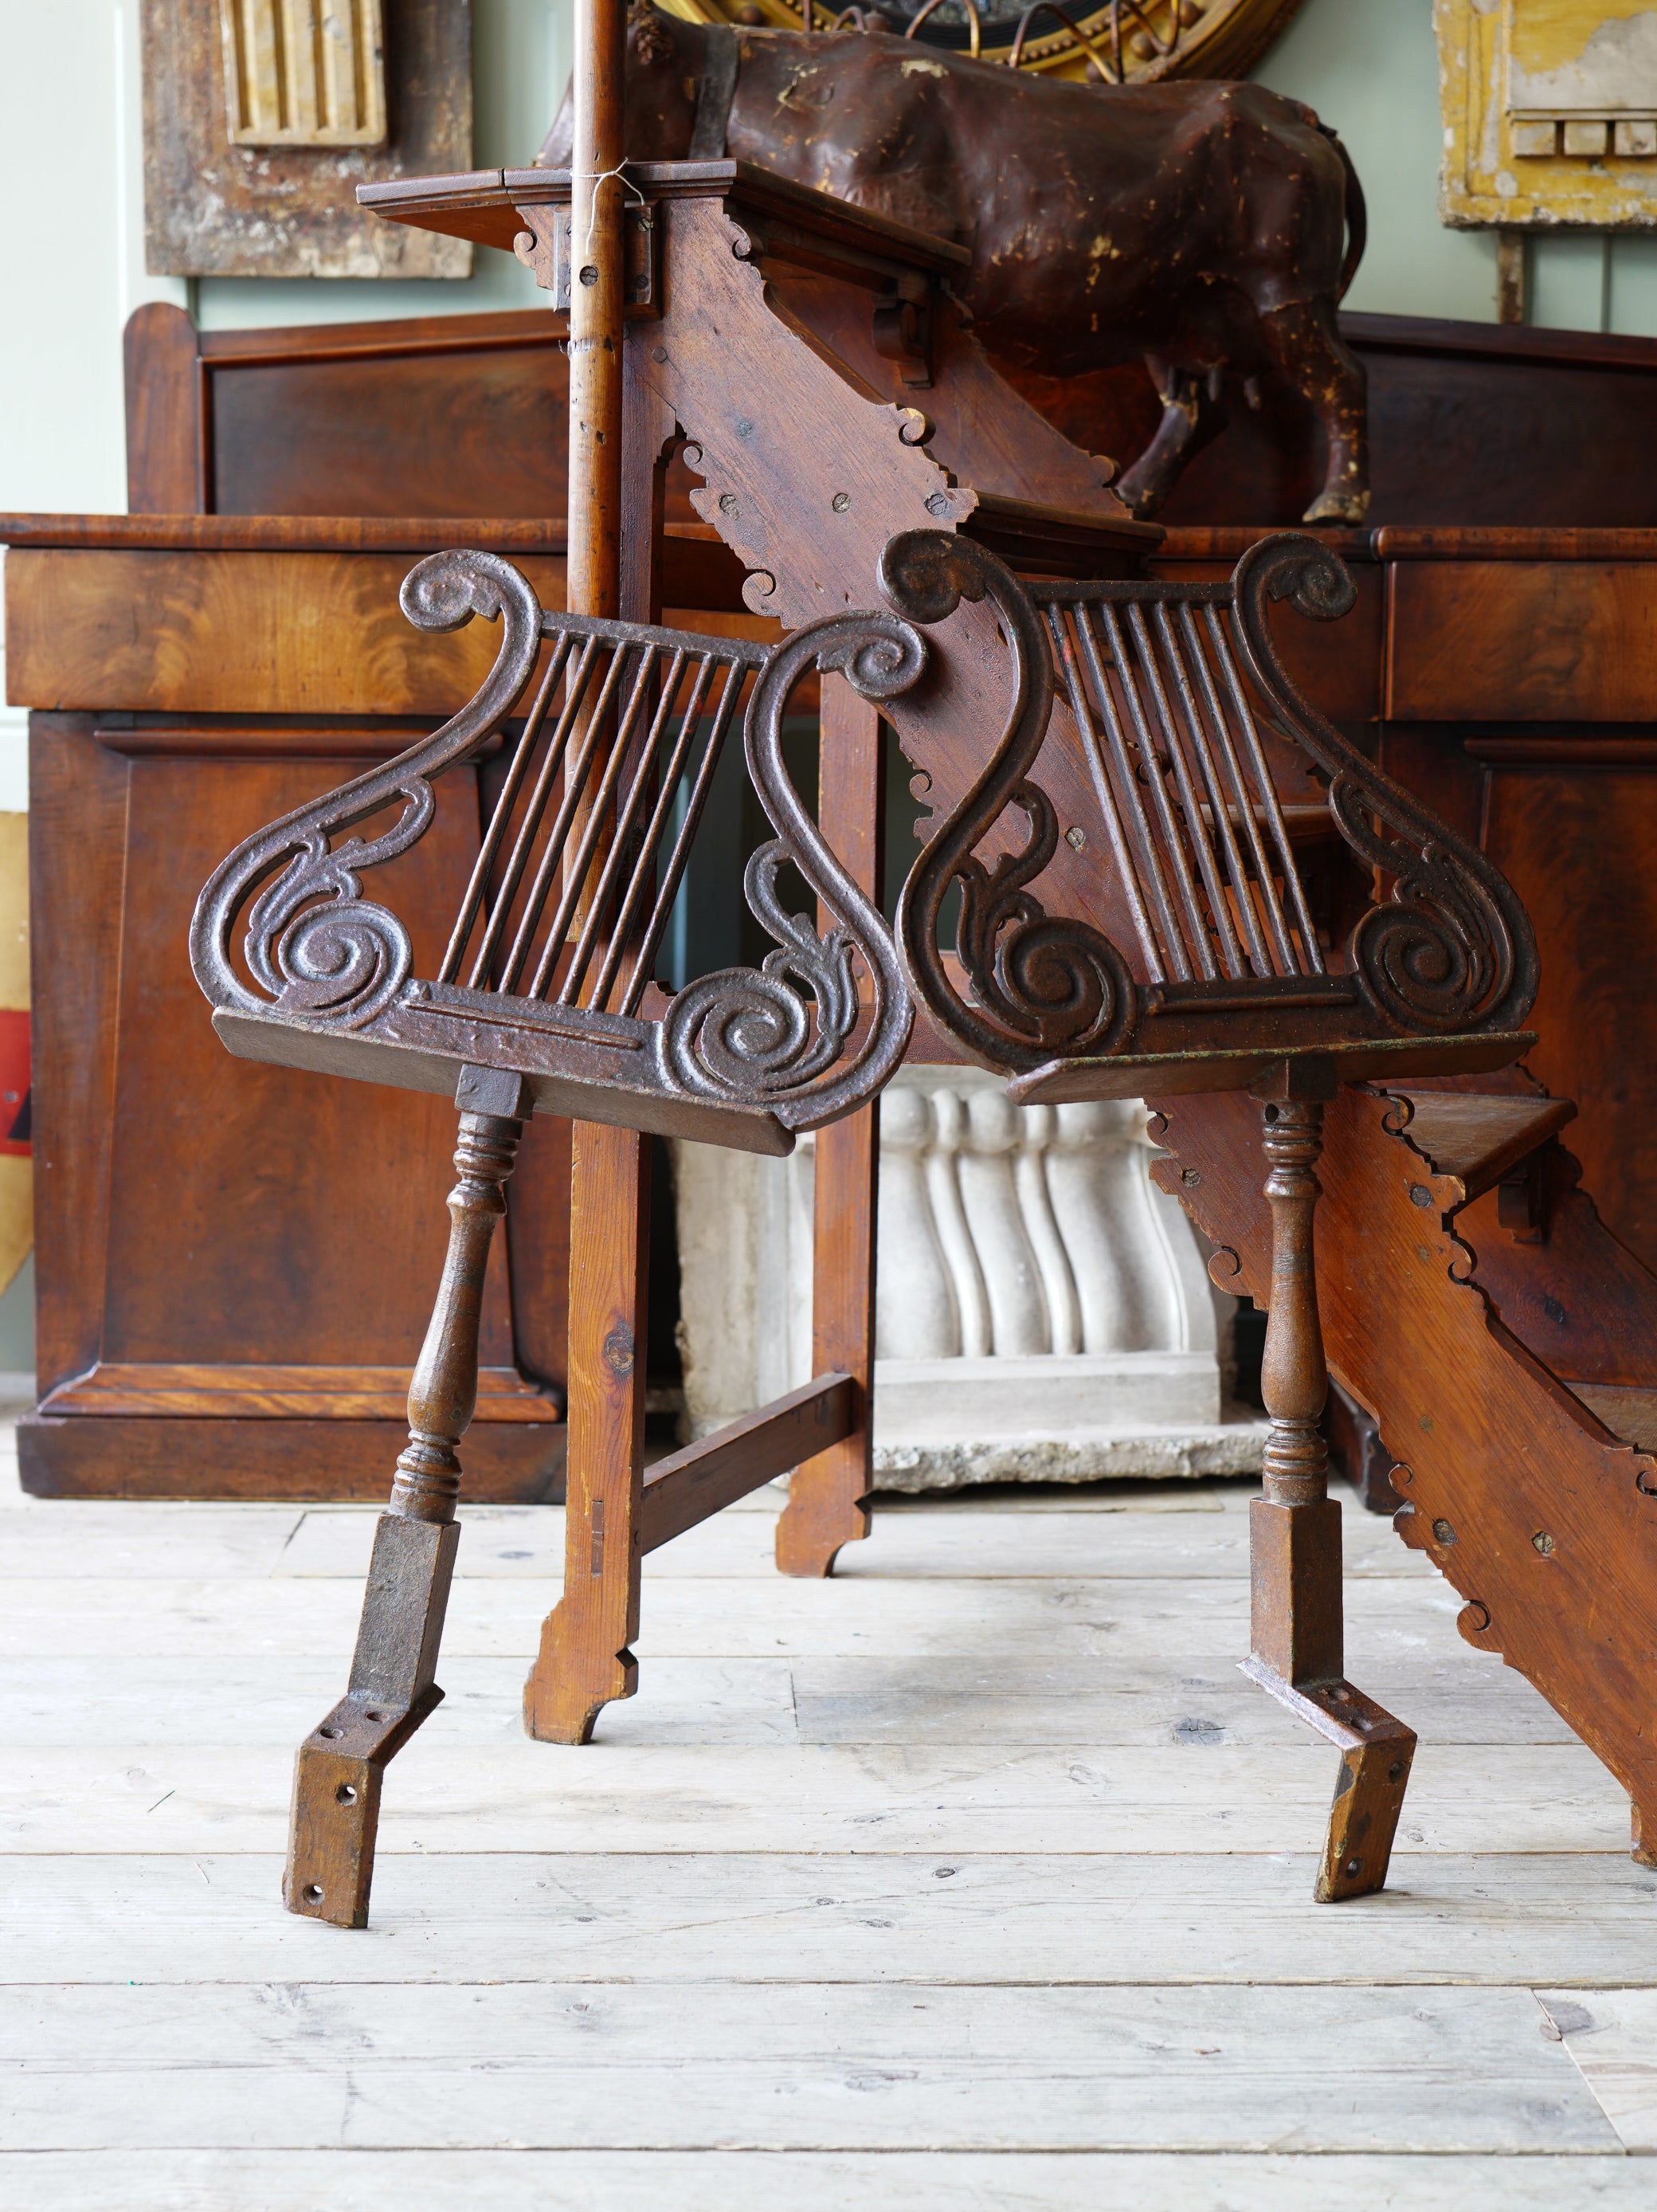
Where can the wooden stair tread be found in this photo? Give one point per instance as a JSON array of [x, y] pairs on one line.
[[1627, 1412], [1173, 1074], [1477, 1138]]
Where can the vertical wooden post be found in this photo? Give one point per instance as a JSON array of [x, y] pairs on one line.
[[1297, 1625], [826, 1506], [1295, 1529], [584, 1659], [1512, 287], [595, 310]]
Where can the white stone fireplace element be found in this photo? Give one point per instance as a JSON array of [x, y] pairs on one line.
[[1043, 1312]]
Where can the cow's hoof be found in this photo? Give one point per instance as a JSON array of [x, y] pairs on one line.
[[1141, 500], [1339, 507]]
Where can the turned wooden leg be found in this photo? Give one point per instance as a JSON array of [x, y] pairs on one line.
[[827, 1497], [585, 1657], [336, 1775], [1298, 1628]]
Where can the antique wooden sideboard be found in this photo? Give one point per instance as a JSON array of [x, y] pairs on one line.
[[231, 1293]]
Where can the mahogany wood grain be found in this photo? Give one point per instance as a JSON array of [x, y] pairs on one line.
[[163, 411], [262, 632], [318, 1461], [1478, 1140], [826, 1496], [236, 633], [1576, 845], [684, 1488], [1546, 641], [1577, 1296], [206, 1221], [249, 1390], [77, 825]]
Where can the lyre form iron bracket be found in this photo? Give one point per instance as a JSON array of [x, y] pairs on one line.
[[549, 970], [1171, 688]]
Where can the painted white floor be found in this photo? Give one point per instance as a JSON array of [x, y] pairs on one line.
[[977, 1877]]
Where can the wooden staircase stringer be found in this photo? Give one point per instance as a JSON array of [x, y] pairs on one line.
[[1544, 1521], [807, 475]]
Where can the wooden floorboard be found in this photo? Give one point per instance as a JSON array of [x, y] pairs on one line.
[[976, 1877], [790, 2066], [869, 1916], [716, 2181]]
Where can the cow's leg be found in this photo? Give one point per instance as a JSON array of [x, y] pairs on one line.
[[1307, 344], [1193, 415]]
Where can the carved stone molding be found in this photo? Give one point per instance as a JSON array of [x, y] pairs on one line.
[[1043, 1312]]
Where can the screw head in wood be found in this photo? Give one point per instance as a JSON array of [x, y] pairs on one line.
[[1419, 1194], [1443, 1533], [1077, 838], [1542, 1542], [840, 501]]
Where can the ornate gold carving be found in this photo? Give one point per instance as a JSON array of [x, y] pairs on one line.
[[1125, 41]]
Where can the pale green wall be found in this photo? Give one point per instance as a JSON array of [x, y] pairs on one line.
[[1370, 68]]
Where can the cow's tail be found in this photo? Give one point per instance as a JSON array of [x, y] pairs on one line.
[[1358, 215]]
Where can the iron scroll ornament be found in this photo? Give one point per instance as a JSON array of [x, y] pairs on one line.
[[1052, 986], [744, 1032], [1452, 949], [785, 1040], [313, 943]]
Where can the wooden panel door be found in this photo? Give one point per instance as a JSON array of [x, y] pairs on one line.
[[237, 1261]]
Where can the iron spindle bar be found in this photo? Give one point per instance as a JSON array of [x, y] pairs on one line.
[[576, 869], [570, 992], [667, 786], [574, 778], [1134, 806], [669, 888], [1249, 814], [502, 815], [523, 845], [1202, 950], [1219, 799], [1106, 797], [1206, 862], [1310, 947]]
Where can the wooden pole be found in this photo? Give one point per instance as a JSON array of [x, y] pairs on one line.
[[584, 1659], [595, 310]]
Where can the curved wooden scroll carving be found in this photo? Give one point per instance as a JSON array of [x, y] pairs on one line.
[[1452, 949], [343, 961], [1050, 987]]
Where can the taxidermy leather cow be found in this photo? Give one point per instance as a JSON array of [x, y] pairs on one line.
[[1197, 224]]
